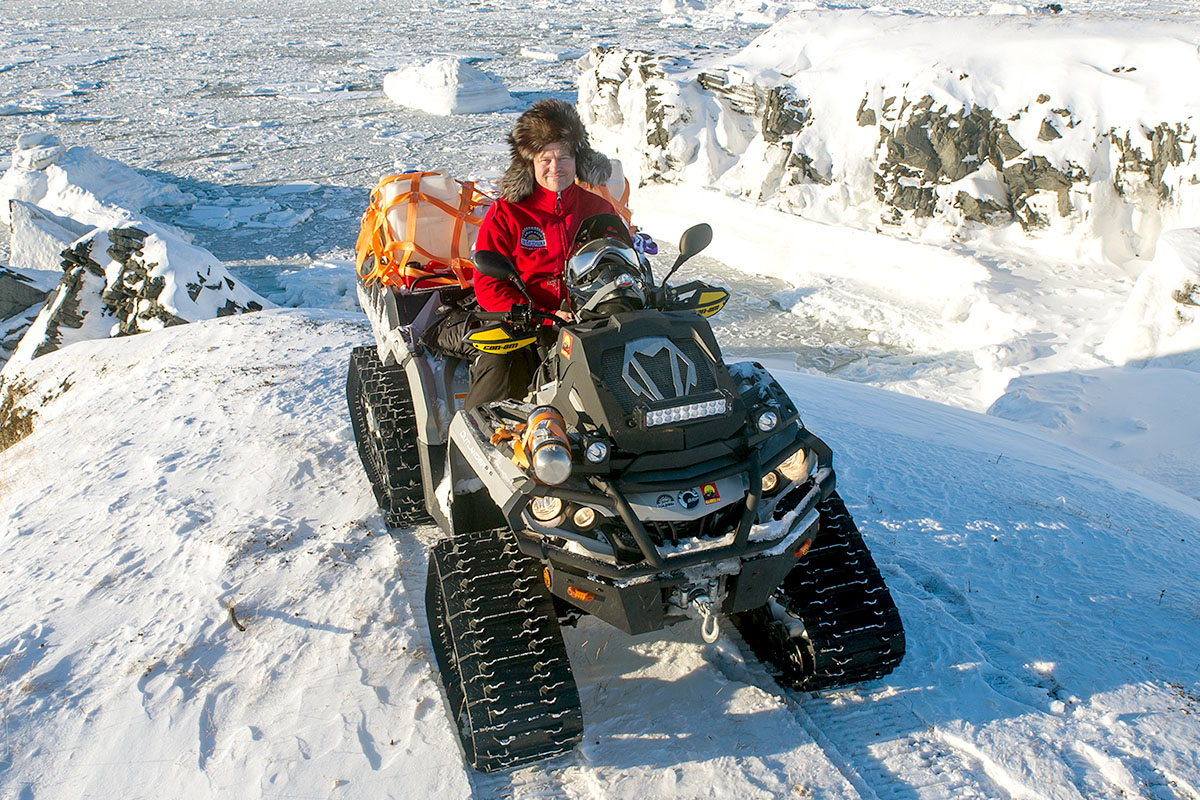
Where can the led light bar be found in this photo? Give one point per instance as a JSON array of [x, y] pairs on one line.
[[686, 413]]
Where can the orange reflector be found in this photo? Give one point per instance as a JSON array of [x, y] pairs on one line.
[[802, 549], [580, 595], [546, 576]]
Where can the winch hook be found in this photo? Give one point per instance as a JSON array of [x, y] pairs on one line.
[[710, 626]]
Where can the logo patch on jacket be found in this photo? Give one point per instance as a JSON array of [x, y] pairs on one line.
[[533, 237]]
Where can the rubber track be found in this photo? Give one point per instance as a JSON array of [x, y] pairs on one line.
[[393, 467], [500, 652], [854, 632]]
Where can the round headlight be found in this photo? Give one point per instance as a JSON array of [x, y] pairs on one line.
[[770, 482], [767, 421], [596, 452], [797, 467], [545, 509], [584, 517]]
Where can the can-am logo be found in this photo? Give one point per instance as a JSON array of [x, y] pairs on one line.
[[533, 237], [641, 352]]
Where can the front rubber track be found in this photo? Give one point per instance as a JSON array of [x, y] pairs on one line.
[[849, 631], [500, 652]]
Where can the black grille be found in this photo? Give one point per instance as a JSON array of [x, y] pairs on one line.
[[659, 369], [711, 526]]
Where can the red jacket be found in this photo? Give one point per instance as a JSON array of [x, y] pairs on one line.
[[536, 234]]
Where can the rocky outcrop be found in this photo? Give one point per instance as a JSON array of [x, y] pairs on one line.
[[121, 281], [121, 272], [917, 159]]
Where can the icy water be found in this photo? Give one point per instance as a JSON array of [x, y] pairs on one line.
[[273, 117]]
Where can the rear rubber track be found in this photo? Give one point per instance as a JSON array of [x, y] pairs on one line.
[[500, 651], [851, 629], [385, 429]]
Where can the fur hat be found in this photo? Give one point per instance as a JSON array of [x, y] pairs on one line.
[[544, 123]]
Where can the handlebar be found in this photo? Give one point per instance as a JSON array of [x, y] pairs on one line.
[[519, 314]]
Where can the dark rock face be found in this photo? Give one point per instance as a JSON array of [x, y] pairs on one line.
[[110, 288], [1167, 145], [923, 149], [19, 297], [17, 293]]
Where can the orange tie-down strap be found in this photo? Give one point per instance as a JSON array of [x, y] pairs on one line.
[[515, 434], [390, 257]]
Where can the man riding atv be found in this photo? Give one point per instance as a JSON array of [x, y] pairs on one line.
[[641, 479], [533, 224]]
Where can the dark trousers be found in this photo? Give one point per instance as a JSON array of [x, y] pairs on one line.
[[507, 376], [500, 377]]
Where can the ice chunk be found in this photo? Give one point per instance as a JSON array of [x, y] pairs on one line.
[[446, 86]]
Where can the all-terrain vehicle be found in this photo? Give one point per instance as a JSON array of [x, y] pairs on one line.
[[643, 481]]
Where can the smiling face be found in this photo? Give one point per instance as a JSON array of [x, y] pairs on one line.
[[554, 167]]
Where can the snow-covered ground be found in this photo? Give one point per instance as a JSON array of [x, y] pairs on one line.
[[1049, 602], [1042, 555]]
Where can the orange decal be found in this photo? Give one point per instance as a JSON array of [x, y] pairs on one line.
[[711, 495], [566, 345]]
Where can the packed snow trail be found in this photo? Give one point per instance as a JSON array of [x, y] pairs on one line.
[[1048, 601]]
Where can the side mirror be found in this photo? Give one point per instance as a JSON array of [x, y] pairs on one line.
[[496, 265], [694, 239]]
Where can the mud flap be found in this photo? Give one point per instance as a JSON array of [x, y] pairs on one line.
[[471, 507]]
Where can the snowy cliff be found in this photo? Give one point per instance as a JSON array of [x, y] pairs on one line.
[[1068, 124]]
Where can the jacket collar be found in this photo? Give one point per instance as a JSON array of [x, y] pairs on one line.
[[545, 200]]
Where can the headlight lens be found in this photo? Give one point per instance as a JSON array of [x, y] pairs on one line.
[[798, 466], [770, 482], [545, 509], [584, 517], [596, 452], [767, 421]]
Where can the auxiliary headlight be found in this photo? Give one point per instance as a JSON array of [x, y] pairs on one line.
[[596, 452], [767, 421], [545, 509], [798, 466], [584, 517], [685, 413]]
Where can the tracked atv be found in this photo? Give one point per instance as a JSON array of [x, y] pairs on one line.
[[643, 481]]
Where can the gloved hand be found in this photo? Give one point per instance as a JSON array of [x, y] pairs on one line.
[[644, 244]]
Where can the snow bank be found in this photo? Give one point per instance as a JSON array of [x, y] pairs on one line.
[[1061, 125], [446, 86], [219, 473], [122, 273], [1161, 319]]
